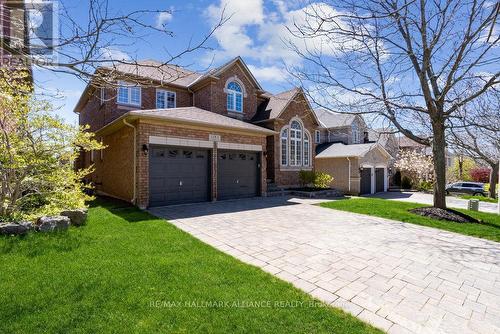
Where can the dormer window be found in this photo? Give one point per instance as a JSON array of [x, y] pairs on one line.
[[234, 97], [129, 94]]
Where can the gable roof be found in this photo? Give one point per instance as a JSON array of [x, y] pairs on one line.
[[166, 74], [276, 105], [381, 136], [213, 73], [341, 150], [330, 119], [195, 116], [272, 108]]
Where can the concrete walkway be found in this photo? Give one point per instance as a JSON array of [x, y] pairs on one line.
[[423, 198], [400, 277]]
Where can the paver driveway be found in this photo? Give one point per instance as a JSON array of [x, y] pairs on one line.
[[400, 277]]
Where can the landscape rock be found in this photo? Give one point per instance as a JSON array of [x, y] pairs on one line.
[[13, 229], [29, 225], [77, 217], [52, 223]]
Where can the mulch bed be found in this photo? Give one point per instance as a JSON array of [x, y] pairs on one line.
[[444, 214]]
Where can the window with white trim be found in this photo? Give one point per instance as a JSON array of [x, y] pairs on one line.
[[355, 133], [234, 97], [295, 144], [317, 136], [284, 147], [129, 94], [165, 99], [307, 158]]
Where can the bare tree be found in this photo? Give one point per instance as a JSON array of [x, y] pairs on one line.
[[83, 46], [476, 133], [408, 61]]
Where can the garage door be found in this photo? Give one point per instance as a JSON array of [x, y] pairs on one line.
[[237, 174], [379, 179], [178, 175], [366, 181]]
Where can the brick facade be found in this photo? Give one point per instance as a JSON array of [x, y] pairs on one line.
[[282, 175], [147, 129], [212, 96], [97, 113], [114, 165]]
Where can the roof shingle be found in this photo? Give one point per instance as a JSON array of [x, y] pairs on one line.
[[199, 116], [334, 120], [341, 150], [154, 70], [272, 108]]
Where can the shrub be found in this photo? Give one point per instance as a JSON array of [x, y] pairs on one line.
[[425, 186], [322, 180], [37, 149], [316, 179], [406, 183], [306, 177], [480, 174]]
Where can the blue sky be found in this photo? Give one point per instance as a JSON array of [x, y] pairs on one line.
[[255, 31]]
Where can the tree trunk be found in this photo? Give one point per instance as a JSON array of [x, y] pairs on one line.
[[439, 157], [493, 180], [460, 168]]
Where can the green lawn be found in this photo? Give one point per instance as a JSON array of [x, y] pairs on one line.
[[396, 210], [481, 198], [128, 272]]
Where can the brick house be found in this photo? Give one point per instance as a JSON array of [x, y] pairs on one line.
[[175, 136], [358, 165]]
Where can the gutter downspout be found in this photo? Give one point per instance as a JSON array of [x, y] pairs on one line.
[[135, 158], [190, 91], [349, 173]]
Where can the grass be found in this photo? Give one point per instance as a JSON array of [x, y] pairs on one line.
[[480, 198], [129, 272], [489, 228]]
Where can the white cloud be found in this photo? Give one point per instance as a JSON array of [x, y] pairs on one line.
[[232, 36], [113, 54], [163, 18], [272, 35], [272, 74]]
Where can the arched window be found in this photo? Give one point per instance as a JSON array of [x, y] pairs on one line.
[[306, 150], [355, 133], [284, 147], [234, 97], [295, 144]]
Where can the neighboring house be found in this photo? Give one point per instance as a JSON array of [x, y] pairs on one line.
[[344, 151], [386, 138], [176, 136], [406, 143]]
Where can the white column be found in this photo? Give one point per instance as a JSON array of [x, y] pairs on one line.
[[373, 179], [386, 181]]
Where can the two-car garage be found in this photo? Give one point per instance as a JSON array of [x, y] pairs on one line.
[[179, 175], [372, 180]]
